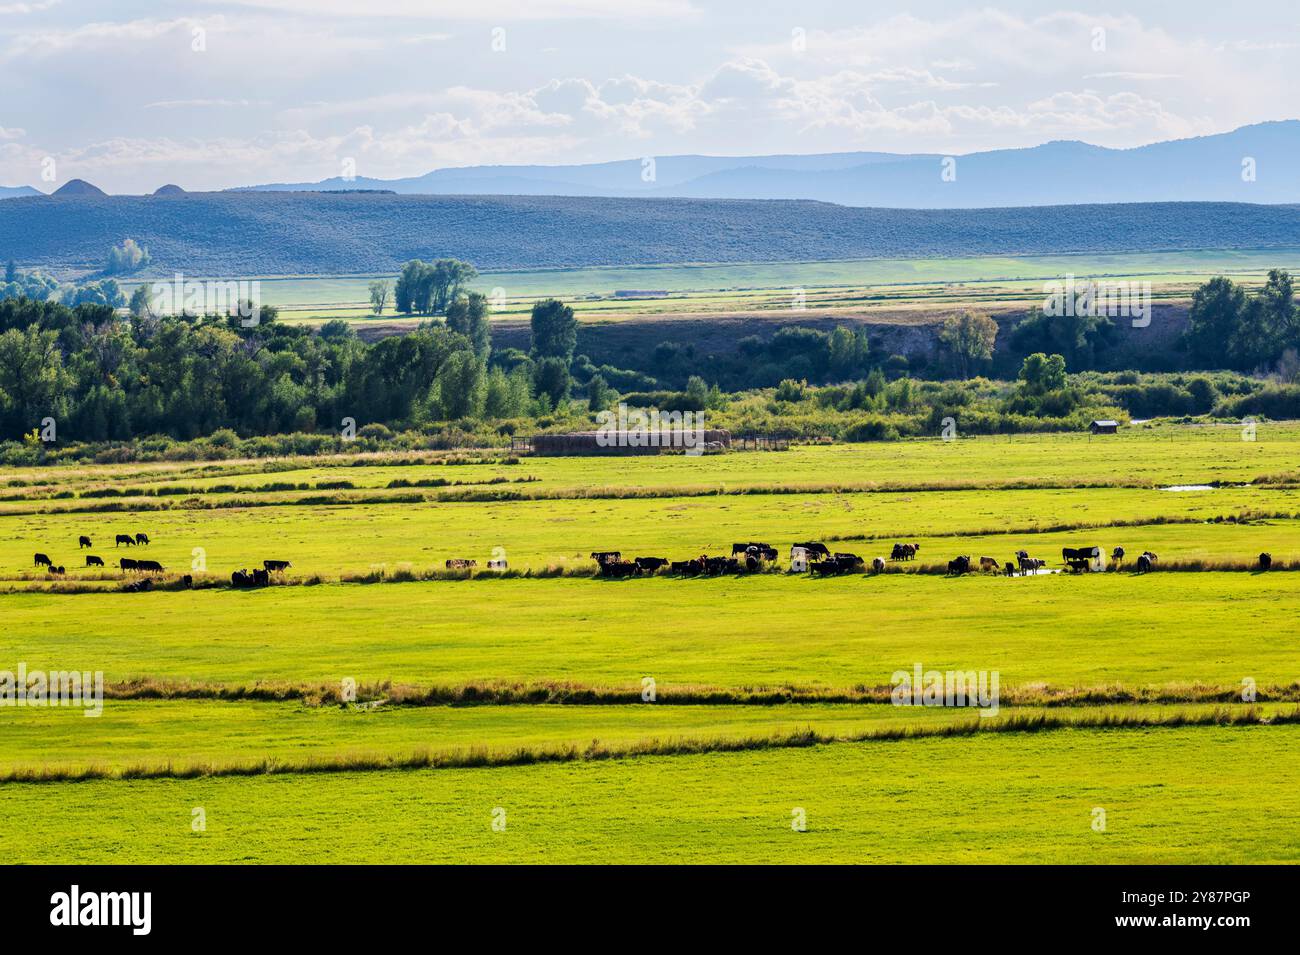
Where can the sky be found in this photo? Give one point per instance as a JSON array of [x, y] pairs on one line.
[[132, 94]]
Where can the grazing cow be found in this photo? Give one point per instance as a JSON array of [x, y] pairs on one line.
[[40, 560], [1144, 564], [713, 566], [878, 565], [458, 563], [149, 567], [605, 556], [688, 567], [904, 551], [1009, 569], [241, 579], [187, 581], [988, 563], [1265, 561], [959, 565], [93, 561], [126, 563], [619, 568], [1149, 555], [126, 539], [260, 577], [651, 563], [276, 566], [812, 547], [1029, 565], [57, 571], [1117, 555], [142, 538], [83, 541]]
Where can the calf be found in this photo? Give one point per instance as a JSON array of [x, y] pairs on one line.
[[93, 561], [1009, 569], [276, 566], [1265, 561], [42, 560], [126, 539], [57, 571], [84, 541]]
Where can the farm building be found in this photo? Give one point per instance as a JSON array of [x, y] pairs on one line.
[[1104, 427], [629, 442]]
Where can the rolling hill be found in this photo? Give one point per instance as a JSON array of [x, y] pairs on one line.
[[257, 233]]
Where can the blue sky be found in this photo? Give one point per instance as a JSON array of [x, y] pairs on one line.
[[132, 94]]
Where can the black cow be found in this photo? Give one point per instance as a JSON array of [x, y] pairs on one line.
[[241, 579], [84, 541], [812, 547], [138, 586], [276, 566], [126, 539], [718, 565], [187, 581], [619, 568], [148, 566], [605, 556], [651, 563], [142, 538], [126, 563], [688, 567], [93, 561], [1144, 564], [1265, 561], [1117, 555], [42, 560], [959, 565], [57, 571], [261, 577], [904, 551], [1009, 569]]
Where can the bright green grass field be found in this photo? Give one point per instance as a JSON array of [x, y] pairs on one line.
[[1159, 629], [333, 539], [1159, 455], [1202, 795]]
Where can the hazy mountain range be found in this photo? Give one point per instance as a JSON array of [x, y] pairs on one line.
[[1251, 164]]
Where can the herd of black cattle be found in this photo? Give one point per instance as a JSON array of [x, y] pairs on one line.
[[240, 579]]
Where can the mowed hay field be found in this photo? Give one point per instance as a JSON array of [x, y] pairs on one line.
[[661, 718]]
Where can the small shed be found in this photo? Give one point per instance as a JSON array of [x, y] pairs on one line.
[[1104, 427]]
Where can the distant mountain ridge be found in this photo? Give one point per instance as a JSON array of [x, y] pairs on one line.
[[1250, 164]]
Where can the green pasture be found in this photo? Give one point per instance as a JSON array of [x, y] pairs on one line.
[[357, 539], [766, 630], [1194, 795]]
